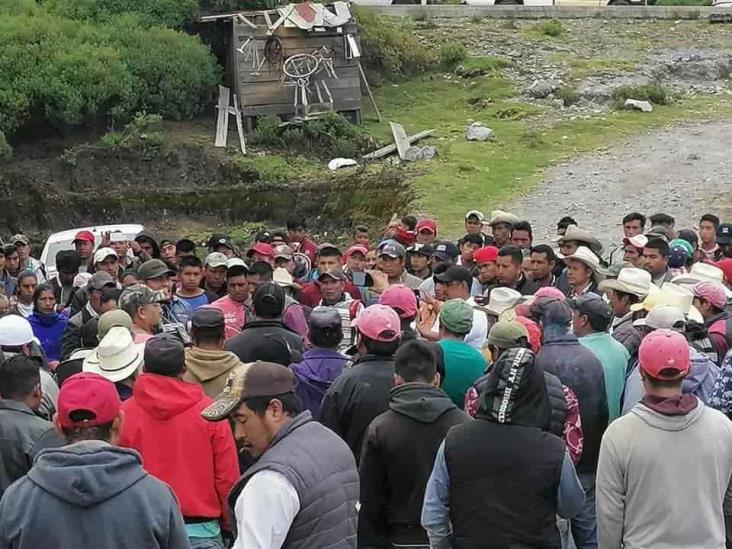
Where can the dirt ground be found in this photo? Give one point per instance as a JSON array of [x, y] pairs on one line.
[[683, 171]]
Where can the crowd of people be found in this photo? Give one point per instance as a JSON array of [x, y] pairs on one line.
[[400, 391]]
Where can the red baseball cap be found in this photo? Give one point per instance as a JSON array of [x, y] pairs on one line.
[[428, 224], [726, 266], [487, 254], [380, 323], [664, 351], [356, 249], [262, 248], [85, 236], [90, 393], [401, 299]]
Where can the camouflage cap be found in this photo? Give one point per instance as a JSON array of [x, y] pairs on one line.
[[135, 296], [255, 379]]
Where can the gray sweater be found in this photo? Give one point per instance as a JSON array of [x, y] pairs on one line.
[[664, 481]]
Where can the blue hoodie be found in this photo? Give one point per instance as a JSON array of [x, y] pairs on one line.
[[90, 494], [49, 328], [316, 372]]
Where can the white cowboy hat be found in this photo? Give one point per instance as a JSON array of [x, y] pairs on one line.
[[117, 357], [499, 216], [663, 317], [686, 299], [502, 299], [585, 255], [702, 272], [576, 234], [631, 280], [283, 278]]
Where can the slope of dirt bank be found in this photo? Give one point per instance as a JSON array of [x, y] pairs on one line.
[[682, 170]]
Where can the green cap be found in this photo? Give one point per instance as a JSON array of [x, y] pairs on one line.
[[684, 244], [457, 316], [505, 334], [110, 319]]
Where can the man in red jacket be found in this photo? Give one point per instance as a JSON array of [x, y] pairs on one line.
[[197, 458]]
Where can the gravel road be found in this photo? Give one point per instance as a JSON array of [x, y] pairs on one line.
[[682, 170]]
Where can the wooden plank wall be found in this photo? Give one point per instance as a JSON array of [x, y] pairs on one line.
[[262, 94]]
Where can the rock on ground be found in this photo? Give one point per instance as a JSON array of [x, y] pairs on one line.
[[682, 170]]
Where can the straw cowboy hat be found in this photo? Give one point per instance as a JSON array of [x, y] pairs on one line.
[[702, 272], [117, 357], [499, 216], [574, 233], [502, 299], [630, 281], [585, 256]]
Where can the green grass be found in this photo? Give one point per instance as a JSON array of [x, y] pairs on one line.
[[469, 175], [684, 3], [552, 28]]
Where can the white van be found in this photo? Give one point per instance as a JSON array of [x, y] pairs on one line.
[[64, 240]]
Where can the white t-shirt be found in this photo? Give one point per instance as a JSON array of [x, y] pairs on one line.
[[479, 331]]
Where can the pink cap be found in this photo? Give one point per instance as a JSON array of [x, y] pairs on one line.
[[262, 248], [85, 236], [487, 254], [726, 266], [534, 332], [550, 291], [713, 292], [87, 392], [380, 323], [637, 241], [356, 249], [428, 224], [401, 299], [664, 350]]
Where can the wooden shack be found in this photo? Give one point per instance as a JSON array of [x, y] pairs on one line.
[[264, 48]]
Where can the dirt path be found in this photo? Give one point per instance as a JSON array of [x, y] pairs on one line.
[[685, 171]]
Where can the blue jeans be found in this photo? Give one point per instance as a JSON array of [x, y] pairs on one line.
[[584, 523], [207, 543]]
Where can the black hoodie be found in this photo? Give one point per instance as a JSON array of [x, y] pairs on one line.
[[397, 458], [90, 494]]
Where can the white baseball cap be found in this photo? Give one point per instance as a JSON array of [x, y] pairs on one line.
[[103, 253], [15, 331]]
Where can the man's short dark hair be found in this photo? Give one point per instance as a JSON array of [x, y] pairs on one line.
[[329, 251], [523, 226], [296, 222], [328, 338], [632, 298], [546, 250], [110, 294], [660, 245], [473, 239], [189, 261], [281, 235], [360, 229], [77, 434], [207, 335], [514, 252], [410, 221], [19, 375], [635, 216], [665, 383], [185, 246], [565, 222], [380, 348], [415, 361], [713, 219], [290, 403], [662, 219], [262, 269]]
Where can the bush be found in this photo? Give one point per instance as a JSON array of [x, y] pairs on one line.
[[389, 48], [6, 153], [552, 28], [144, 134], [223, 6], [328, 137], [71, 73], [568, 95], [451, 56], [658, 94], [168, 13]]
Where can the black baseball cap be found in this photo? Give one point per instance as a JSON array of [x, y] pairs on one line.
[[207, 317], [269, 300], [724, 233], [325, 318], [591, 305], [421, 249], [164, 355], [455, 274], [445, 251]]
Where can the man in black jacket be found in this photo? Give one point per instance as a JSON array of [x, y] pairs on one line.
[[361, 392], [268, 303], [71, 338], [22, 432], [399, 451]]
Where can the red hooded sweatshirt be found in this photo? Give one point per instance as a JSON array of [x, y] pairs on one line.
[[197, 458]]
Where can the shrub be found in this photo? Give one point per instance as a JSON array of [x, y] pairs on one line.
[[214, 6], [72, 73], [481, 66], [168, 13], [658, 94], [568, 95], [553, 28], [144, 134], [6, 153], [389, 48], [451, 56], [330, 136]]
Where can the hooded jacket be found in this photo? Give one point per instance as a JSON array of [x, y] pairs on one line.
[[90, 494], [153, 240], [315, 374], [662, 477], [49, 329], [197, 458], [209, 369], [258, 330], [397, 458]]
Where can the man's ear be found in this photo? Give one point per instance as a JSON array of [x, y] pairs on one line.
[[437, 380]]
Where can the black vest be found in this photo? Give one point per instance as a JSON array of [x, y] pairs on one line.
[[504, 481], [558, 404]]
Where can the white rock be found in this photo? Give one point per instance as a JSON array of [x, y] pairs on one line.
[[643, 106], [337, 163], [477, 131]]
